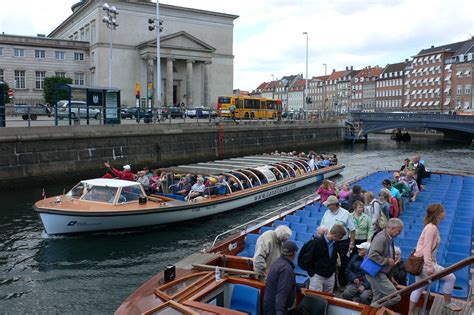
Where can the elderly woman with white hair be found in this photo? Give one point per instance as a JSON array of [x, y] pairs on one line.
[[268, 248], [398, 274]]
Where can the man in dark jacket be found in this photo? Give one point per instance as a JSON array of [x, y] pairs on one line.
[[358, 288], [324, 260], [280, 288]]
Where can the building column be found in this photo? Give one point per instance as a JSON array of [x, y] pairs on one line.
[[207, 101], [149, 82], [169, 82], [189, 83]]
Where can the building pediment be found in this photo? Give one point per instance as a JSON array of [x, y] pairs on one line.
[[180, 41]]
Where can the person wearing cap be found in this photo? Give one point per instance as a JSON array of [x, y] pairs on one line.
[[126, 174], [336, 214], [358, 288], [323, 270], [211, 188], [280, 287], [268, 248], [402, 188]]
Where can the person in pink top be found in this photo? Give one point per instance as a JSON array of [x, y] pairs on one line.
[[325, 191], [426, 247], [344, 193]]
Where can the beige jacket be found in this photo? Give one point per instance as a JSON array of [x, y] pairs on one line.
[[267, 250]]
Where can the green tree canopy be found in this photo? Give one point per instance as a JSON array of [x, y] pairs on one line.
[[49, 87], [5, 91]]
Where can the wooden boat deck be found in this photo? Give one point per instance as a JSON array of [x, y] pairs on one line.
[[196, 258]]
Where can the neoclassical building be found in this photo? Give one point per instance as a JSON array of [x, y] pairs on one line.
[[196, 50]]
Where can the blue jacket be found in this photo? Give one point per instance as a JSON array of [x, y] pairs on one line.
[[280, 288], [354, 271]]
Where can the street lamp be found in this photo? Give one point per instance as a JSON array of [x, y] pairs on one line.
[[156, 23], [325, 68], [111, 23], [305, 93], [273, 77]]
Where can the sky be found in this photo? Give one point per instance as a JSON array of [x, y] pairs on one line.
[[268, 35]]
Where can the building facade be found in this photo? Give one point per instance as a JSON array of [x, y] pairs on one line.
[[296, 96], [390, 88], [196, 50], [462, 82], [26, 61], [363, 89]]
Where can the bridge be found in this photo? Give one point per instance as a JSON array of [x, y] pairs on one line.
[[458, 127]]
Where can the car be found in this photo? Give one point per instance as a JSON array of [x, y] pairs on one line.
[[79, 109], [176, 112], [199, 112]]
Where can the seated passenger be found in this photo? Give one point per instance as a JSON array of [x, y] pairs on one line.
[[155, 184], [311, 163], [398, 274], [143, 180], [333, 160], [197, 189], [221, 185], [211, 189], [234, 185], [326, 162], [358, 288], [183, 187], [412, 184]]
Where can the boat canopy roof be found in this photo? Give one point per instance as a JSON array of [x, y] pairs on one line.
[[229, 165], [109, 182]]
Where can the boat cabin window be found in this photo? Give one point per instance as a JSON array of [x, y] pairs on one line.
[[77, 191], [130, 193], [101, 194]]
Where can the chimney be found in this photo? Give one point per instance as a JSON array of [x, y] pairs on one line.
[[432, 46], [352, 67], [406, 60], [41, 35], [333, 70], [347, 68]]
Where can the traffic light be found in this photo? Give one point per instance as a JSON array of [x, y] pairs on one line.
[[152, 24]]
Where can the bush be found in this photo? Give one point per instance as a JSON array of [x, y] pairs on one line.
[[49, 87]]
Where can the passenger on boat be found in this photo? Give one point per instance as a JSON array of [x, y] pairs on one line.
[[412, 184], [268, 248], [356, 194], [147, 171], [358, 287], [373, 211], [280, 287], [383, 253], [388, 203], [402, 188], [324, 191], [362, 224], [386, 183], [183, 187], [234, 185], [211, 188], [155, 184], [319, 161], [311, 163], [197, 189], [406, 164], [420, 170], [333, 160], [221, 185], [398, 274], [126, 174], [336, 214], [426, 247], [344, 194], [323, 271], [143, 180], [326, 161]]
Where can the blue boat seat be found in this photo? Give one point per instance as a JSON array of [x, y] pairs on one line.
[[281, 222], [245, 299], [303, 236], [263, 229], [303, 214], [293, 218], [298, 227]]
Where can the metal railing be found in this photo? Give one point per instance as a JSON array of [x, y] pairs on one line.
[[412, 117]]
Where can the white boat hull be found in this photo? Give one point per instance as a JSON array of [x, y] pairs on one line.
[[64, 223]]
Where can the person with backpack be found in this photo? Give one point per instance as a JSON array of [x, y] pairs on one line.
[[375, 213], [319, 257]]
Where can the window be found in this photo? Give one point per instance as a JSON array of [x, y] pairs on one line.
[[1, 51], [93, 32], [78, 56], [1, 75], [19, 52], [75, 36], [40, 54], [88, 33], [60, 55], [40, 75], [79, 79], [467, 89], [81, 36], [20, 79], [459, 90], [60, 74]]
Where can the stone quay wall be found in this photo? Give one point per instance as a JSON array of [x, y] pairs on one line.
[[41, 155]]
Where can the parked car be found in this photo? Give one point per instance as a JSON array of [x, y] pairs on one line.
[[31, 111], [133, 113], [78, 110], [199, 112], [176, 112]]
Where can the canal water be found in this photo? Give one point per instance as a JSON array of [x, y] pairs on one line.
[[92, 274]]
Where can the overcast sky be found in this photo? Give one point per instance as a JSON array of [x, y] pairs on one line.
[[268, 35]]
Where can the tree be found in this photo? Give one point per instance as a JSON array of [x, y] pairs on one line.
[[5, 93], [49, 90]]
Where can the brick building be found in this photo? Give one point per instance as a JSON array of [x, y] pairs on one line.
[[317, 91], [389, 88], [363, 89]]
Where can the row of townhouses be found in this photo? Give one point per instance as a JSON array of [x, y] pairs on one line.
[[436, 79]]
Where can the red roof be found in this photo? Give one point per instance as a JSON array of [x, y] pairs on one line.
[[336, 75], [263, 85], [369, 72], [321, 78]]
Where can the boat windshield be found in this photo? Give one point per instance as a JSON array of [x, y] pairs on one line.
[[101, 194], [130, 193], [77, 191]]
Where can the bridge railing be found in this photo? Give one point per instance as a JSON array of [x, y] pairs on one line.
[[412, 116]]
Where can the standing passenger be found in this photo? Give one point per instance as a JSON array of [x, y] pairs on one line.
[[426, 247], [362, 225], [280, 288], [325, 191]]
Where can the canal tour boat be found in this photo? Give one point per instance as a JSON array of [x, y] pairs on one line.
[[110, 204], [221, 280]]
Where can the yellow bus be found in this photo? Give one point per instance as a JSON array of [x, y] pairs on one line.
[[247, 107]]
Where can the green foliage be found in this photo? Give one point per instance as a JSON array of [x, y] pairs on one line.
[[49, 89], [5, 91]]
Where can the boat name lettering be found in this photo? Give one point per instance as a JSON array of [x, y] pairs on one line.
[[274, 192], [77, 223]]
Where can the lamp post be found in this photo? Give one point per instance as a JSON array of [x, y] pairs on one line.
[[325, 68], [110, 21], [273, 77], [305, 93], [157, 24]]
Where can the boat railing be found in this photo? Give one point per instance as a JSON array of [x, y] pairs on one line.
[[280, 210], [427, 282]]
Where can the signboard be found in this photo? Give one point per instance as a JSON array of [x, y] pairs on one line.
[[112, 108], [137, 90]]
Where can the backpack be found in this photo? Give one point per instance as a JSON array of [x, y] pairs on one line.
[[382, 220], [305, 257]]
